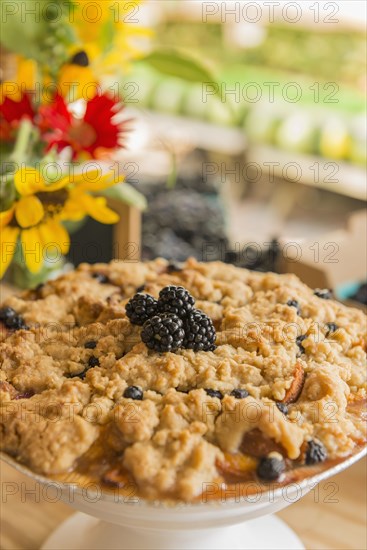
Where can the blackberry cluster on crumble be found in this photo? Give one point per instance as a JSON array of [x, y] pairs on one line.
[[172, 322]]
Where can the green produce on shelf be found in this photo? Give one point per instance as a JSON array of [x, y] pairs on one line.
[[335, 140], [358, 152], [193, 104], [358, 148], [296, 127], [218, 112], [298, 132], [138, 87], [337, 56], [261, 125], [168, 96]]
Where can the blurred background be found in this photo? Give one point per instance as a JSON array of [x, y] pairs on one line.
[[265, 167], [246, 135]]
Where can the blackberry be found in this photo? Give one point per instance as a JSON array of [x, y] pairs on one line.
[[24, 395], [133, 392], [239, 394], [90, 345], [324, 293], [6, 313], [294, 303], [16, 323], [330, 328], [163, 332], [199, 332], [140, 288], [174, 267], [93, 361], [141, 308], [101, 278], [271, 467], [11, 319], [282, 407], [299, 341], [80, 375], [214, 393], [315, 452], [175, 299]]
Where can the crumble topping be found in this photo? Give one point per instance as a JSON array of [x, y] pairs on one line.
[[286, 371]]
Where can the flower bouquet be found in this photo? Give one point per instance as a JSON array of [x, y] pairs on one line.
[[61, 125], [62, 122]]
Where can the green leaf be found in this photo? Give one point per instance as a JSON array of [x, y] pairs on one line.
[[5, 152], [7, 191], [176, 64], [179, 65], [126, 193]]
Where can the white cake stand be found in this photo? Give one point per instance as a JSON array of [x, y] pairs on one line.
[[106, 521]]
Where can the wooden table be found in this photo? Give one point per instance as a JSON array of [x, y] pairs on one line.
[[332, 517]]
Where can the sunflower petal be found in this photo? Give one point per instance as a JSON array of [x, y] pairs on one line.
[[32, 249], [55, 186], [73, 80], [96, 208], [53, 232], [26, 73], [28, 180], [29, 211], [99, 183], [73, 210], [10, 90], [78, 179], [8, 243], [6, 216]]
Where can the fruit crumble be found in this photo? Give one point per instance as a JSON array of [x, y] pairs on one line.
[[176, 377]]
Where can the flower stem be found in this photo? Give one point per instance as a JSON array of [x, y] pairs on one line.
[[21, 147]]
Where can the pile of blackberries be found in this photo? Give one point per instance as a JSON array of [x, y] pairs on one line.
[[190, 220], [184, 221], [261, 259], [171, 322]]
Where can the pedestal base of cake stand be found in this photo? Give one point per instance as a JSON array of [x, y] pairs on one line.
[[82, 532]]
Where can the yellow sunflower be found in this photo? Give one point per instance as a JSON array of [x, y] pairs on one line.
[[25, 71], [108, 33], [37, 214]]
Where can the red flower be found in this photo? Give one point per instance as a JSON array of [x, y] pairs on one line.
[[92, 134], [11, 113]]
